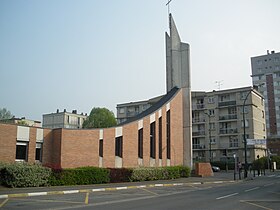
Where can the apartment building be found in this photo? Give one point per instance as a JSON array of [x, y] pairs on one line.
[[266, 76], [127, 111], [217, 124], [64, 120]]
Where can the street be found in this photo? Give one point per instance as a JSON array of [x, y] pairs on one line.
[[259, 193]]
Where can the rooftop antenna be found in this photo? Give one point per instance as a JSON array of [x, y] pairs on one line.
[[219, 84]]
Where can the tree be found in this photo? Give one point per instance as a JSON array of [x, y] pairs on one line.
[[5, 114], [100, 118]]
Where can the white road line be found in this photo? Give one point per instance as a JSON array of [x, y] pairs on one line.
[[271, 175], [70, 191], [218, 182], [98, 190], [178, 184], [141, 186], [37, 193], [4, 196], [121, 188], [226, 196], [252, 189], [158, 185]]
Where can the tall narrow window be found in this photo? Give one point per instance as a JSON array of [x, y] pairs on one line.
[[168, 140], [153, 140], [140, 143], [160, 138], [101, 148], [22, 151], [118, 146], [38, 154]]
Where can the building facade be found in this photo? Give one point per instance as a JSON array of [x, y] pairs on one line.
[[64, 120], [266, 76], [154, 138], [218, 126]]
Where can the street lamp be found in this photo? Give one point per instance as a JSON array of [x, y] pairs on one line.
[[210, 149], [244, 136]]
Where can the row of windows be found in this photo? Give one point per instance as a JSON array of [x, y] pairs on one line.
[[22, 151], [119, 140], [275, 59]]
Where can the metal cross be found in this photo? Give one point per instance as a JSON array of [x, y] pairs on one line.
[[167, 4]]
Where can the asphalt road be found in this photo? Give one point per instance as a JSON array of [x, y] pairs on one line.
[[260, 193]]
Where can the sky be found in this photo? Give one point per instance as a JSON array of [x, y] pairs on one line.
[[80, 54]]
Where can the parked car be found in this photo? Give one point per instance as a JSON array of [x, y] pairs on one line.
[[215, 169]]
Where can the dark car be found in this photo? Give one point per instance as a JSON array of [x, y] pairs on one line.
[[215, 169]]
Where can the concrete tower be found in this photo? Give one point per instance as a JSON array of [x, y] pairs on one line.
[[178, 75]]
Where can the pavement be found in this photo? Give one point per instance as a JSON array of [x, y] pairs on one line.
[[219, 177]]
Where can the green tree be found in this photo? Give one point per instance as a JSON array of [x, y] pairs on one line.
[[5, 114], [100, 118]]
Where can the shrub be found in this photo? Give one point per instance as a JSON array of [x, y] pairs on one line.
[[79, 176], [25, 175], [2, 166], [170, 172]]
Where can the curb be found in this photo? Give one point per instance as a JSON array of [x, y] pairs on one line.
[[64, 192]]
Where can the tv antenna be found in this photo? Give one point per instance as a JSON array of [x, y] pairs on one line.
[[219, 84]]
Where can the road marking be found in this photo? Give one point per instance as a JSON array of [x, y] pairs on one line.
[[141, 186], [253, 204], [4, 196], [218, 182], [98, 190], [121, 188], [70, 191], [149, 191], [4, 202], [226, 196], [178, 184], [86, 199], [252, 189], [158, 185]]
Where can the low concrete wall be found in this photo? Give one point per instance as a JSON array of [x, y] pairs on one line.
[[203, 169]]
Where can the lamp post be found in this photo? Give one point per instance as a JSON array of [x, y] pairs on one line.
[[244, 137], [210, 149]]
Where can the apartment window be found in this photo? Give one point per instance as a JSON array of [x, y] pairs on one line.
[[121, 110], [168, 140], [153, 140], [79, 121], [232, 110], [245, 109], [213, 140], [277, 68], [212, 126], [246, 123], [225, 97], [276, 60], [259, 62], [160, 138], [22, 151], [38, 153], [68, 119], [262, 114], [211, 100], [118, 146], [140, 143], [233, 142], [101, 148], [211, 112]]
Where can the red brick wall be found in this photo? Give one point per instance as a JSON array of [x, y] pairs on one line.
[[8, 139], [66, 148], [203, 169]]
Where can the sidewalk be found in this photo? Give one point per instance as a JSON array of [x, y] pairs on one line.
[[219, 177]]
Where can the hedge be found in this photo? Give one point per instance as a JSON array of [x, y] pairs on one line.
[[161, 173], [79, 176], [25, 175]]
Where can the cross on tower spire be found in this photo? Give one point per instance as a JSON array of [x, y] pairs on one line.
[[167, 4]]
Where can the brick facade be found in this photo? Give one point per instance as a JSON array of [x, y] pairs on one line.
[[71, 148]]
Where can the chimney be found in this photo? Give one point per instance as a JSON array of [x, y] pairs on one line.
[[64, 110], [267, 52], [272, 52], [57, 111]]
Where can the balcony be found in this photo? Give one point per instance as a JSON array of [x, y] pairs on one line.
[[198, 120], [198, 146], [227, 103], [198, 133], [228, 130], [197, 106], [228, 117]]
